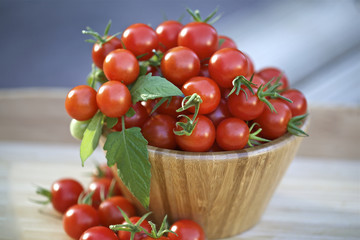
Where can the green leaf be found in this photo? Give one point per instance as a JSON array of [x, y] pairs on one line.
[[150, 87], [91, 136], [128, 149], [111, 122], [131, 112]]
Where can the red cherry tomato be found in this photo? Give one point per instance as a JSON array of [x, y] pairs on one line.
[[113, 99], [158, 131], [273, 73], [246, 107], [160, 238], [99, 232], [65, 193], [207, 89], [102, 171], [101, 187], [123, 235], [179, 64], [204, 71], [227, 63], [121, 65], [251, 68], [232, 134], [226, 42], [140, 39], [137, 120], [220, 113], [110, 214], [274, 124], [167, 33], [202, 137], [80, 103], [299, 104], [186, 229], [100, 51], [78, 219], [257, 80], [201, 37], [170, 108]]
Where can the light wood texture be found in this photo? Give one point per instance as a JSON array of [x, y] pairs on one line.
[[319, 197]]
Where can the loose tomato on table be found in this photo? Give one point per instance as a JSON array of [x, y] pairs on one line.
[[186, 230], [100, 189], [80, 103], [125, 235], [109, 213], [167, 33], [97, 233]]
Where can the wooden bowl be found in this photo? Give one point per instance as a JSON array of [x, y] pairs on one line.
[[225, 192]]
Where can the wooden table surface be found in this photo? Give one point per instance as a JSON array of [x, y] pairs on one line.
[[319, 197]]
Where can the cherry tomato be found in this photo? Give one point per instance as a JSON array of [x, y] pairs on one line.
[[140, 39], [137, 120], [186, 229], [274, 124], [232, 134], [80, 103], [251, 68], [204, 71], [227, 42], [101, 188], [170, 108], [160, 238], [179, 64], [109, 213], [246, 107], [78, 219], [270, 73], [227, 63], [124, 235], [257, 80], [158, 131], [207, 89], [201, 37], [100, 51], [121, 65], [99, 232], [202, 137], [113, 99], [167, 33], [299, 104], [220, 113]]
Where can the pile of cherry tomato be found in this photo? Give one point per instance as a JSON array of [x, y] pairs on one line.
[[197, 59], [93, 213]]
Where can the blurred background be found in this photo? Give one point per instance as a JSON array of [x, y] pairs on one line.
[[316, 43]]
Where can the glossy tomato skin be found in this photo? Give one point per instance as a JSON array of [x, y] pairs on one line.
[[109, 213], [123, 235], [232, 134], [201, 37], [251, 67], [100, 51], [99, 187], [140, 39], [167, 33], [299, 104], [186, 229], [80, 103], [202, 137], [225, 64], [274, 124], [137, 120], [98, 232], [113, 99], [121, 65], [158, 131], [179, 64], [78, 219], [65, 193], [271, 72], [227, 42], [246, 107], [220, 113], [160, 238], [170, 108], [207, 89]]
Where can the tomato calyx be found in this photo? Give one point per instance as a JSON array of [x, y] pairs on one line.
[[43, 192], [209, 19], [270, 90], [97, 37], [162, 230], [85, 198], [96, 76], [294, 124], [188, 126], [238, 82], [254, 139]]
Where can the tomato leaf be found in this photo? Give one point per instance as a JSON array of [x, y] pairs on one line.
[[128, 149], [111, 122], [150, 87], [91, 136]]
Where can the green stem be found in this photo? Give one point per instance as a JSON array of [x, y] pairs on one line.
[[254, 138], [293, 126]]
